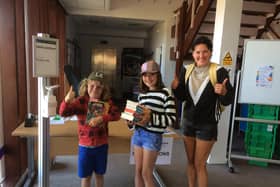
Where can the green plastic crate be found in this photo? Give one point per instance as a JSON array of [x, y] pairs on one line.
[[258, 163], [260, 153], [260, 144], [261, 127], [263, 111], [260, 139]]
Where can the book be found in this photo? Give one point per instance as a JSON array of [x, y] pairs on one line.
[[95, 108], [129, 110], [127, 116]]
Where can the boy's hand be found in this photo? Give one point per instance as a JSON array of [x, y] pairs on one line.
[[97, 121], [70, 95]]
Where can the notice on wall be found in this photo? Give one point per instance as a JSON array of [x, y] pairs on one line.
[[227, 60], [264, 76], [164, 157]]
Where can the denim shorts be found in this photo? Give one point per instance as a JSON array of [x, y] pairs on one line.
[[146, 139], [92, 160]]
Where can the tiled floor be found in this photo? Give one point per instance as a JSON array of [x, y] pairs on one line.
[[120, 173]]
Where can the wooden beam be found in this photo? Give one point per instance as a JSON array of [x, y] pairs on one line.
[[245, 19], [190, 34], [258, 7], [210, 17], [253, 7], [206, 28], [248, 31], [274, 32], [180, 38], [253, 19]]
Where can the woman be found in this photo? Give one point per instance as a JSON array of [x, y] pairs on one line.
[[201, 109]]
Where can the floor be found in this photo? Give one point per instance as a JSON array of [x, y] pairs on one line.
[[120, 173]]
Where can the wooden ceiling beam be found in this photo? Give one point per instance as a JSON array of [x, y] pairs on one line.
[[248, 31], [245, 19], [269, 20], [258, 7], [190, 34], [252, 19], [274, 32], [206, 28], [253, 7]]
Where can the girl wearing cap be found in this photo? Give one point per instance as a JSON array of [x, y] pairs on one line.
[[201, 109], [156, 111], [94, 110]]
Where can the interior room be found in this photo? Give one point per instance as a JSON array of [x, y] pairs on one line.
[[116, 37]]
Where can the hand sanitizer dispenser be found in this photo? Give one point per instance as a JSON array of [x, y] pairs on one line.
[[50, 103]]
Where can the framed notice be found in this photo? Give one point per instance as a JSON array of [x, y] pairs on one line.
[[45, 56]]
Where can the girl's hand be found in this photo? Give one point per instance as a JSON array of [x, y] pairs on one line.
[[97, 121], [70, 95], [129, 123], [142, 116], [221, 89]]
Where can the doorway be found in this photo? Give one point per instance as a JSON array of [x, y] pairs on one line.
[[105, 60]]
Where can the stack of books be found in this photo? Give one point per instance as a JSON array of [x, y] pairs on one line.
[[129, 110]]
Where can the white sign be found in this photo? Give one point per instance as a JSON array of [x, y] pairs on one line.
[[164, 157], [45, 57]]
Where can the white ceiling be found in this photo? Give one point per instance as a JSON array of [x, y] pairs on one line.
[[86, 4], [114, 23], [101, 21]]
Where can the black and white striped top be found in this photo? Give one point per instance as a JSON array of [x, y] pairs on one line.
[[162, 105]]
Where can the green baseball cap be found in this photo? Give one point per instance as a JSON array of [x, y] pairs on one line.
[[97, 76]]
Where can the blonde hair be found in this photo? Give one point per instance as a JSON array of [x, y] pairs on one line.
[[105, 96]]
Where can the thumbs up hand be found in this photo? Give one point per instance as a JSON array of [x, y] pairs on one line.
[[70, 95], [220, 88], [175, 82]]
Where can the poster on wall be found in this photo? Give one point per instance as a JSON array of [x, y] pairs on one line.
[[264, 76]]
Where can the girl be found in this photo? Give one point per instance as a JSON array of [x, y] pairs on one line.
[[94, 110], [156, 111]]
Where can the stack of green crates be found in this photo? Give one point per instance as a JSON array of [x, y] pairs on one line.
[[260, 138]]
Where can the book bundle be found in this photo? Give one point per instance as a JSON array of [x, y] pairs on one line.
[[132, 108]]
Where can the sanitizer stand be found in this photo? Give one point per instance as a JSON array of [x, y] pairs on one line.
[[43, 139], [45, 64]]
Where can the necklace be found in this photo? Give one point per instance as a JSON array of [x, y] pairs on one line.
[[201, 72]]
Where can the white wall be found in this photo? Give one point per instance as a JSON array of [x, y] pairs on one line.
[[160, 36], [156, 40], [170, 65]]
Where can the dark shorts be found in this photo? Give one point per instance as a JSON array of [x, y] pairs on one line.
[[209, 133], [92, 160]]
